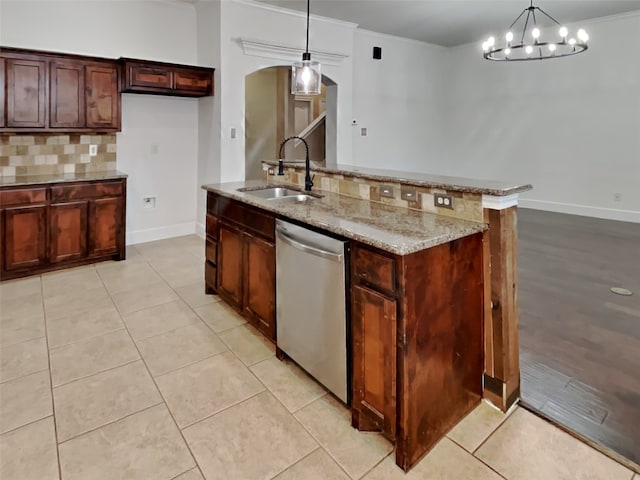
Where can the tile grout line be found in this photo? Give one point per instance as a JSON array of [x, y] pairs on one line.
[[53, 403], [110, 422], [376, 465], [96, 373], [27, 374], [164, 401], [467, 452], [492, 433], [297, 461]]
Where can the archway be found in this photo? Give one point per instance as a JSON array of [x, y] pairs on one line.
[[272, 114]]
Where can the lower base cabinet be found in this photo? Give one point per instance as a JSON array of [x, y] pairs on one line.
[[67, 231], [63, 225], [241, 253], [23, 237]]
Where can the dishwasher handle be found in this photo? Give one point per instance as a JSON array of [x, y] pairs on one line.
[[335, 257]]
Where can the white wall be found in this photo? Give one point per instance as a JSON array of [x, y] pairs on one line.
[[209, 108], [151, 30], [274, 26], [261, 130], [570, 127], [399, 100]]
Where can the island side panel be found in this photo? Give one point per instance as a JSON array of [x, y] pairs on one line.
[[440, 344], [502, 377]]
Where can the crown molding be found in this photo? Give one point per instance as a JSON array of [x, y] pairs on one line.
[[296, 13], [259, 48]]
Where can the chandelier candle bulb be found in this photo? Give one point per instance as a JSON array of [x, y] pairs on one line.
[[563, 32]]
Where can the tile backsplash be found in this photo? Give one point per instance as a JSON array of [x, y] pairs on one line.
[[44, 154], [467, 206]]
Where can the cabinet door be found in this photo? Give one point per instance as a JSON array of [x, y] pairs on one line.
[[24, 233], [105, 224], [230, 265], [193, 82], [103, 100], [260, 284], [67, 102], [374, 360], [2, 95], [68, 231], [26, 93]]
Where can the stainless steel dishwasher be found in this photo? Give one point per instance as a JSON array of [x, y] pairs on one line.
[[311, 303]]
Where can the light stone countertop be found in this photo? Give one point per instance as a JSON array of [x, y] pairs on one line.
[[22, 180], [456, 184], [397, 230]]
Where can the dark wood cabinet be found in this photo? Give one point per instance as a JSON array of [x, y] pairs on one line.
[[105, 226], [417, 342], [24, 237], [230, 265], [48, 92], [374, 361], [26, 90], [158, 78], [102, 97], [67, 84], [3, 117], [50, 227], [240, 260], [260, 283], [67, 231]]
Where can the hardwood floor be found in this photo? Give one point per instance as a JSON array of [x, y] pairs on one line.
[[580, 343]]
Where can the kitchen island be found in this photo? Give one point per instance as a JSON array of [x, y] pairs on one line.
[[416, 309]]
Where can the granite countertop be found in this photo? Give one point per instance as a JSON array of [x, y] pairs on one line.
[[458, 184], [20, 180], [397, 230]]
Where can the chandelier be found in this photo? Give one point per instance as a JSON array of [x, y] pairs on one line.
[[532, 45]]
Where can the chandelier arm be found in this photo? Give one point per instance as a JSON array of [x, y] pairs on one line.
[[524, 32], [533, 14], [549, 16], [519, 17]]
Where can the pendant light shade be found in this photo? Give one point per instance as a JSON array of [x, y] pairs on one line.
[[306, 78]]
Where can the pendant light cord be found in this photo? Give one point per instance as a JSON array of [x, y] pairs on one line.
[[307, 47]]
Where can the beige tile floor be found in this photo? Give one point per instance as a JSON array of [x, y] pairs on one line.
[[126, 370]]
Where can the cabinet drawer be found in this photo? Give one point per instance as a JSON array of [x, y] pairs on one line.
[[192, 82], [252, 219], [374, 269], [210, 274], [212, 227], [22, 196], [212, 203], [211, 250], [141, 76], [92, 190]]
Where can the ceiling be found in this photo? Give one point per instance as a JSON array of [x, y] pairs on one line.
[[451, 22]]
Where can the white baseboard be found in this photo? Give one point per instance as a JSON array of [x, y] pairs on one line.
[[160, 233], [200, 230], [584, 210]]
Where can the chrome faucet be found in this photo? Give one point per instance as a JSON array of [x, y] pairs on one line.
[[308, 182]]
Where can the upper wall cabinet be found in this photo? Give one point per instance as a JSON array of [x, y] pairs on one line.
[[141, 76], [47, 92]]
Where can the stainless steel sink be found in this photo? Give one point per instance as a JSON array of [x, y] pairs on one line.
[[280, 193], [271, 193]]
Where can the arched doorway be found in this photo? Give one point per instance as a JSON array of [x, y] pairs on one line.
[[272, 114]]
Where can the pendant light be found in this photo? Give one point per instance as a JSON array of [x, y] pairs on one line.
[[305, 75], [531, 45]]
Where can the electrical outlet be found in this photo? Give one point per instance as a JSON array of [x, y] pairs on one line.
[[271, 171], [233, 132], [93, 150], [386, 191], [409, 194], [363, 132], [148, 202], [443, 201]]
